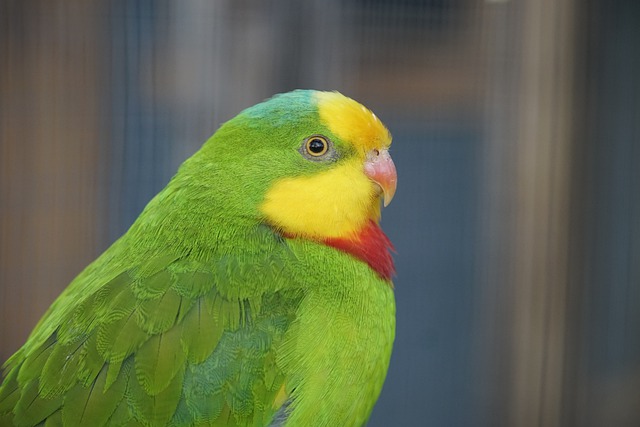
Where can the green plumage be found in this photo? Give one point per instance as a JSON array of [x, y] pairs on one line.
[[203, 315]]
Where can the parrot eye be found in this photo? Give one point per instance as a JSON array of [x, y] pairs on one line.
[[316, 147]]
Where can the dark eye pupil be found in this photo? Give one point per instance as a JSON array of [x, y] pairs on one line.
[[316, 146]]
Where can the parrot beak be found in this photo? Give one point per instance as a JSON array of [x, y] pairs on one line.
[[380, 169]]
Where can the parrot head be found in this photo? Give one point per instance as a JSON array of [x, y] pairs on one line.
[[311, 165]]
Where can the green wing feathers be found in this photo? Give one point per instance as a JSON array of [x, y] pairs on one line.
[[156, 345]]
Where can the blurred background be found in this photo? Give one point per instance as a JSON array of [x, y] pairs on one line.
[[516, 135]]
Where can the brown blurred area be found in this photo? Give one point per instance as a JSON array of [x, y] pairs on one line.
[[516, 128], [50, 85]]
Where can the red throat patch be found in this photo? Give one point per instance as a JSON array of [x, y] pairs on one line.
[[370, 245]]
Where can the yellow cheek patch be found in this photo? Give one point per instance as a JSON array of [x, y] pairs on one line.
[[352, 122], [334, 203]]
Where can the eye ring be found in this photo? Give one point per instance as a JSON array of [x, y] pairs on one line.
[[316, 146]]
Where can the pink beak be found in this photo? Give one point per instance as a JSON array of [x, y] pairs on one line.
[[380, 169]]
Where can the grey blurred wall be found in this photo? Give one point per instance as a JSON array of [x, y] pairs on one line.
[[516, 128]]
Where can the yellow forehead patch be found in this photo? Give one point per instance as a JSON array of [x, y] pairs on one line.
[[352, 122]]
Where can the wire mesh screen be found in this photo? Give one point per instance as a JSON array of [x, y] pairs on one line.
[[516, 131]]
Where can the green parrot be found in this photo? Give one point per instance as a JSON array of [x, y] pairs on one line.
[[253, 290]]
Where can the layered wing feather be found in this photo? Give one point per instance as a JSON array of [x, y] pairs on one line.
[[167, 342]]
